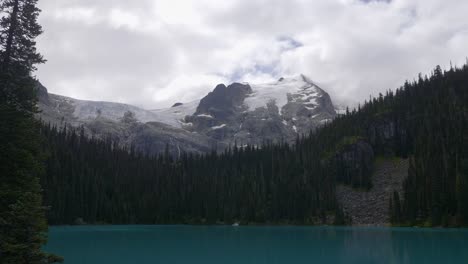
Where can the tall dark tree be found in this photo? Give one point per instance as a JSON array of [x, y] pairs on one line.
[[23, 225], [18, 31]]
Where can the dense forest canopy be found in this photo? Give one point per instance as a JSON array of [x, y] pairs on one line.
[[425, 121]]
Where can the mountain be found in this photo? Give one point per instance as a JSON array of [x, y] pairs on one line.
[[239, 113], [254, 113], [104, 120]]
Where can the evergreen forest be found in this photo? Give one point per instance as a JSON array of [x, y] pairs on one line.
[[97, 181]]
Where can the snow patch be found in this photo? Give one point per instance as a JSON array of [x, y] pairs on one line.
[[278, 92], [205, 115], [174, 116], [218, 127], [86, 110]]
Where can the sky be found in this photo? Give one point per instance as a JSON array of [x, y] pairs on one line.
[[153, 53]]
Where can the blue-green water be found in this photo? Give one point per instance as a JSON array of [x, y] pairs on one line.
[[243, 245]]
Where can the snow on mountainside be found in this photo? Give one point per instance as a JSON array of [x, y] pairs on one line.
[[243, 113], [104, 120], [86, 110], [300, 88], [254, 113], [175, 115]]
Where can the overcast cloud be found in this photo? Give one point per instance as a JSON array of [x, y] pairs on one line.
[[153, 53]]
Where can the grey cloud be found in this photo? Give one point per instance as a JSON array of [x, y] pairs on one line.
[[354, 48]]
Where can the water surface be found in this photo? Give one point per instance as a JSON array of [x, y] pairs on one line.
[[244, 245]]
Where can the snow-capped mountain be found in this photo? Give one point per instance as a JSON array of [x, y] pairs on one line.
[[241, 112], [105, 119], [252, 113]]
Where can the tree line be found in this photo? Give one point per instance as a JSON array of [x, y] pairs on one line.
[[100, 182]]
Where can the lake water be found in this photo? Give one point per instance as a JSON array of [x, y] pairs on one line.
[[243, 245]]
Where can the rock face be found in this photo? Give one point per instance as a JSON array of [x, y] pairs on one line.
[[220, 111], [388, 135], [372, 207], [224, 101], [242, 113], [253, 114]]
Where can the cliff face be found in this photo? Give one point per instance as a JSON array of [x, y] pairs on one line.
[[255, 113]]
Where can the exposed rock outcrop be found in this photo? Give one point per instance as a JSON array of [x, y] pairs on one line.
[[253, 114], [372, 207]]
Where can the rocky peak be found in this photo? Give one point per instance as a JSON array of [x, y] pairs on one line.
[[253, 113], [223, 101], [42, 93], [177, 104]]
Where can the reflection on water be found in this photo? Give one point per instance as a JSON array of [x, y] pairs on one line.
[[223, 244]]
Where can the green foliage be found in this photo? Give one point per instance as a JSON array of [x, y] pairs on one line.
[[23, 224], [341, 218], [18, 31], [22, 219], [395, 208]]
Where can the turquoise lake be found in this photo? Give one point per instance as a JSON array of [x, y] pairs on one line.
[[262, 244]]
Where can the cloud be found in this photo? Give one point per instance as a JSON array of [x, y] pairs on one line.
[[153, 53]]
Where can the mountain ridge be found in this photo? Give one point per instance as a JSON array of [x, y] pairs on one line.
[[240, 112]]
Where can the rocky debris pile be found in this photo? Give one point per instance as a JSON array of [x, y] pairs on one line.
[[372, 207]]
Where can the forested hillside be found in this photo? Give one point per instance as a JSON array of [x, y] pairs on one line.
[[425, 120], [99, 182]]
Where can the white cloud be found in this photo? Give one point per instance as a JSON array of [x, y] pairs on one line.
[[154, 53], [85, 15], [122, 18], [185, 88]]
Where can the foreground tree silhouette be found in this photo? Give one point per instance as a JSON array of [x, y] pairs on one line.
[[23, 225]]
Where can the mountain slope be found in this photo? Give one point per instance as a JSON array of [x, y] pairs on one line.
[[106, 120], [176, 114], [252, 114], [242, 113]]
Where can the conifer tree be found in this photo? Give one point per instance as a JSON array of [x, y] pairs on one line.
[[23, 225]]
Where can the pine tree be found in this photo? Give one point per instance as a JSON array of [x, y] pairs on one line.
[[396, 208], [18, 31], [23, 225]]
